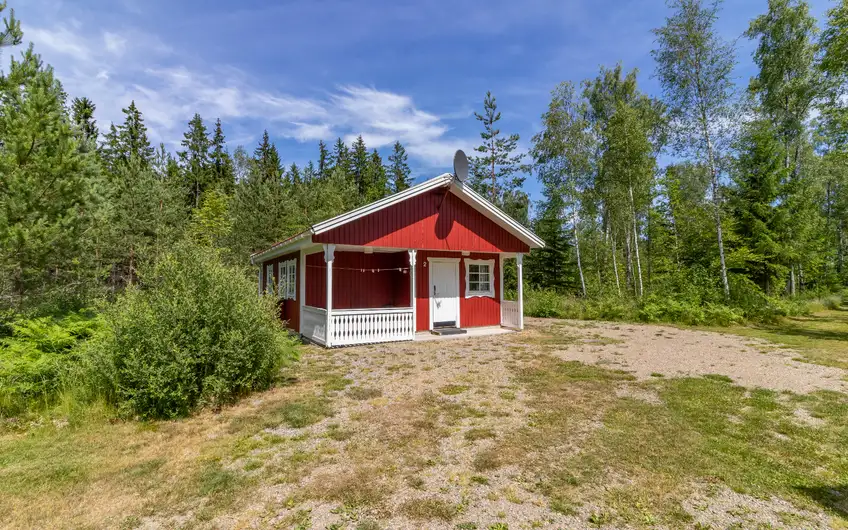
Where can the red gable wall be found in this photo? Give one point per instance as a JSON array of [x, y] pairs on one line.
[[438, 220]]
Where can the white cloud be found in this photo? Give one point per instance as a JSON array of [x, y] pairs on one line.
[[112, 72], [114, 43]]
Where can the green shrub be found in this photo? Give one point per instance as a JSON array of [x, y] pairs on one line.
[[543, 304], [35, 357], [832, 302], [195, 334]]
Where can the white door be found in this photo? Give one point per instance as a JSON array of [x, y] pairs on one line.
[[444, 293]]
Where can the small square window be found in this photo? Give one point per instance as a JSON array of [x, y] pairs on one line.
[[479, 274]]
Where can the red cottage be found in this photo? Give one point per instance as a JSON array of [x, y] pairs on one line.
[[429, 258]]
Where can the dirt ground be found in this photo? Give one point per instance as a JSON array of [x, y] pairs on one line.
[[402, 449], [673, 352]]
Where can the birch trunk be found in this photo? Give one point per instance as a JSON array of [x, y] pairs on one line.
[[636, 244], [579, 263], [615, 266]]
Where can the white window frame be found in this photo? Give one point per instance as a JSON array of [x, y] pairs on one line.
[[269, 279], [287, 283], [486, 262]]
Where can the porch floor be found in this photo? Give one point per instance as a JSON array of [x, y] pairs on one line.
[[470, 332]]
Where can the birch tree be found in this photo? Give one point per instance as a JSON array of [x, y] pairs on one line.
[[561, 153], [695, 68]]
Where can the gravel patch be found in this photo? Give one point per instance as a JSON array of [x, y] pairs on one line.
[[441, 391], [647, 349]]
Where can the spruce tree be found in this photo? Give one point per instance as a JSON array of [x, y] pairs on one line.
[[82, 115], [294, 175], [399, 168], [358, 167], [760, 217], [132, 136], [223, 175], [323, 160], [267, 159], [340, 158], [375, 177], [195, 160]]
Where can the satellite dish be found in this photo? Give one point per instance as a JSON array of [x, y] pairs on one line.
[[460, 166]]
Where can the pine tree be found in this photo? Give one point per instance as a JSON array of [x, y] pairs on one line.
[[195, 160], [11, 35], [82, 110], [47, 191], [359, 165], [223, 175], [399, 168], [496, 172]]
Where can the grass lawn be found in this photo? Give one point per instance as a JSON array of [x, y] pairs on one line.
[[490, 433], [820, 338]]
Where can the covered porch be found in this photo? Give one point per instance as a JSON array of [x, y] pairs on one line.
[[352, 295]]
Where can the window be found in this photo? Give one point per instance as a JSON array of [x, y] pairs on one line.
[[287, 288], [479, 277], [269, 279]]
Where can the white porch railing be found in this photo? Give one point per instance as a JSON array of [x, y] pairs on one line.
[[365, 326], [510, 314], [313, 324]]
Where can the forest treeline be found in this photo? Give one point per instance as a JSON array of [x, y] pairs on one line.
[[751, 208]]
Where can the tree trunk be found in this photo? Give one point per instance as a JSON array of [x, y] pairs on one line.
[[636, 244], [615, 267], [840, 248], [628, 256], [716, 203], [579, 263], [792, 280]]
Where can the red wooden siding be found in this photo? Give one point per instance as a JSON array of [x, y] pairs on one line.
[[438, 220], [355, 286], [473, 312], [289, 309]]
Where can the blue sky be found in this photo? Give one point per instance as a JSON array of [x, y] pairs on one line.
[[319, 69]]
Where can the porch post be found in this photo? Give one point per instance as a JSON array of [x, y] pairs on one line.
[[501, 275], [412, 261], [519, 261], [329, 256]]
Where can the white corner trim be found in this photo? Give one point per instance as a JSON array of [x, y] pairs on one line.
[[482, 294]]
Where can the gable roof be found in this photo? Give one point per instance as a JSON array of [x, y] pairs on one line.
[[445, 180]]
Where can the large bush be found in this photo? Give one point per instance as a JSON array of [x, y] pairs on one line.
[[194, 334], [35, 357]]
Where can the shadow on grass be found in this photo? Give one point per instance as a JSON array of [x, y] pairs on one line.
[[799, 331], [831, 497]]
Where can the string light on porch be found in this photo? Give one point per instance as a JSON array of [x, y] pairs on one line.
[[404, 270]]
